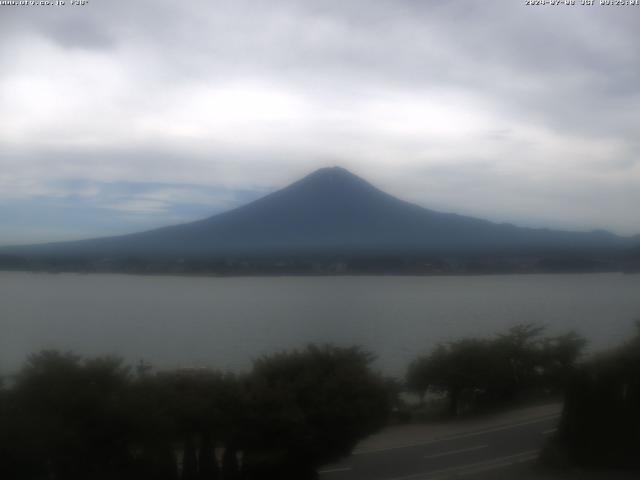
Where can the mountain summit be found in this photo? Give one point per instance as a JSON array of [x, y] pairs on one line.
[[332, 211]]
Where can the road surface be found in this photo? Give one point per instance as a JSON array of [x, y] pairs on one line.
[[486, 447]]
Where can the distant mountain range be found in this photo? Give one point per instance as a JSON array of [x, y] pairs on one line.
[[332, 212]]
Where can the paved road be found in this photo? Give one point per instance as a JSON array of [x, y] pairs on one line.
[[465, 454]]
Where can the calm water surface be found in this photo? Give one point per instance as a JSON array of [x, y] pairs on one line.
[[226, 322]]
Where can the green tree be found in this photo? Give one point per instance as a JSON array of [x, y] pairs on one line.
[[68, 416], [489, 372], [461, 368], [311, 407], [600, 424]]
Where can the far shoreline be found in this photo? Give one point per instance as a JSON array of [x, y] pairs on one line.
[[320, 275]]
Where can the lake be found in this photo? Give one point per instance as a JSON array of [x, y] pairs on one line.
[[227, 322]]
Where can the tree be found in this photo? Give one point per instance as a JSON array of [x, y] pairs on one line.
[[71, 418], [67, 416], [559, 358], [462, 367], [600, 424], [495, 371], [187, 411], [310, 407]]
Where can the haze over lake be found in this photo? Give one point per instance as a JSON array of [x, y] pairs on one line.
[[226, 322]]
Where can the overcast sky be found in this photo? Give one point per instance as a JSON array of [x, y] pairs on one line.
[[122, 115]]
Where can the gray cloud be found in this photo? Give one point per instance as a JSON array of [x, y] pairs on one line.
[[495, 109]]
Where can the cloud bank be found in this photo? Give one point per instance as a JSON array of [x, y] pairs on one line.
[[131, 111]]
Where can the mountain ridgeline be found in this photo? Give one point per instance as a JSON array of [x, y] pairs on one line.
[[333, 214]]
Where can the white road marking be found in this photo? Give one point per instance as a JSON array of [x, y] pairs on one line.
[[453, 452], [550, 431], [334, 470], [472, 468], [458, 436]]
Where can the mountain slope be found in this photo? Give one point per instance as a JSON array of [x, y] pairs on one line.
[[332, 211]]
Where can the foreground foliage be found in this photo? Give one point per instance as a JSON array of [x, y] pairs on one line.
[[600, 426], [475, 373], [67, 418]]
